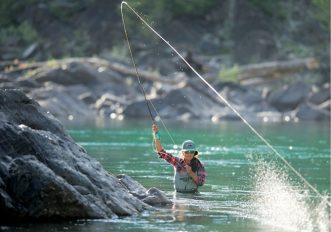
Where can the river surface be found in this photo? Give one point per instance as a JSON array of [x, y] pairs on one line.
[[248, 187]]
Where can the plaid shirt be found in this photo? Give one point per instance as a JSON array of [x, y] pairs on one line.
[[179, 165]]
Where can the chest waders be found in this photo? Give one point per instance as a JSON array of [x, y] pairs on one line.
[[184, 182]]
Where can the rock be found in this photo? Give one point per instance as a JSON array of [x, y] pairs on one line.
[[64, 102], [45, 175], [13, 103], [165, 68], [27, 84], [77, 91], [290, 97], [242, 96], [263, 107], [311, 112], [270, 116], [87, 98], [139, 109], [73, 73], [228, 114], [109, 105], [152, 196], [156, 197], [320, 96], [325, 105], [4, 79], [107, 100], [133, 186], [179, 103]]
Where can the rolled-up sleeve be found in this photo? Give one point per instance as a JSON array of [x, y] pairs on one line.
[[174, 161]]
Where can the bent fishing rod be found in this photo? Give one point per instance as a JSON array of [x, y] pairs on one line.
[[135, 68], [147, 102], [217, 93]]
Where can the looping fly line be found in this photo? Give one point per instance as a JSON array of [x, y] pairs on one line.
[[212, 88]]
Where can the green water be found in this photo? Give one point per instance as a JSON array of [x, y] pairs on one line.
[[248, 188]]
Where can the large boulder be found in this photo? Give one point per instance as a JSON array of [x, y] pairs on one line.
[[239, 95], [183, 103], [45, 175], [290, 97], [63, 102]]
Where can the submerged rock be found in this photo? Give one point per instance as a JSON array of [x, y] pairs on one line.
[[45, 175], [152, 196]]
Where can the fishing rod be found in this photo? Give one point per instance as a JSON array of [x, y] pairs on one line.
[[135, 68], [223, 99], [148, 102]]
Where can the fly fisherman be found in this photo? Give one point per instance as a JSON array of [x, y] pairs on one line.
[[189, 170]]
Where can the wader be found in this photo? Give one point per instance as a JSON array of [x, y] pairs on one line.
[[184, 183]]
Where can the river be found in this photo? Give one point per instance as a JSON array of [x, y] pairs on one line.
[[248, 187]]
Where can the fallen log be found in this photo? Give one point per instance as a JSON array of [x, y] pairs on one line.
[[276, 69], [267, 70], [117, 67], [18, 67], [149, 76]]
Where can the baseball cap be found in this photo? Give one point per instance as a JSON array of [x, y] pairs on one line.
[[189, 145]]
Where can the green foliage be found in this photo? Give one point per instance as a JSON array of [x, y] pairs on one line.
[[229, 74], [10, 9], [120, 53], [64, 9], [28, 33], [322, 11], [191, 7], [298, 49], [177, 8], [271, 7], [11, 30], [52, 63], [78, 45], [5, 13], [164, 11], [24, 33]]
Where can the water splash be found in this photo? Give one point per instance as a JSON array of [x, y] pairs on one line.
[[279, 203]]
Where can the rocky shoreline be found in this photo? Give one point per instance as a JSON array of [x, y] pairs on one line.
[[46, 176], [81, 89]]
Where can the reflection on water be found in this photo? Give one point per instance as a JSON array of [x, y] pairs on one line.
[[186, 207]]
